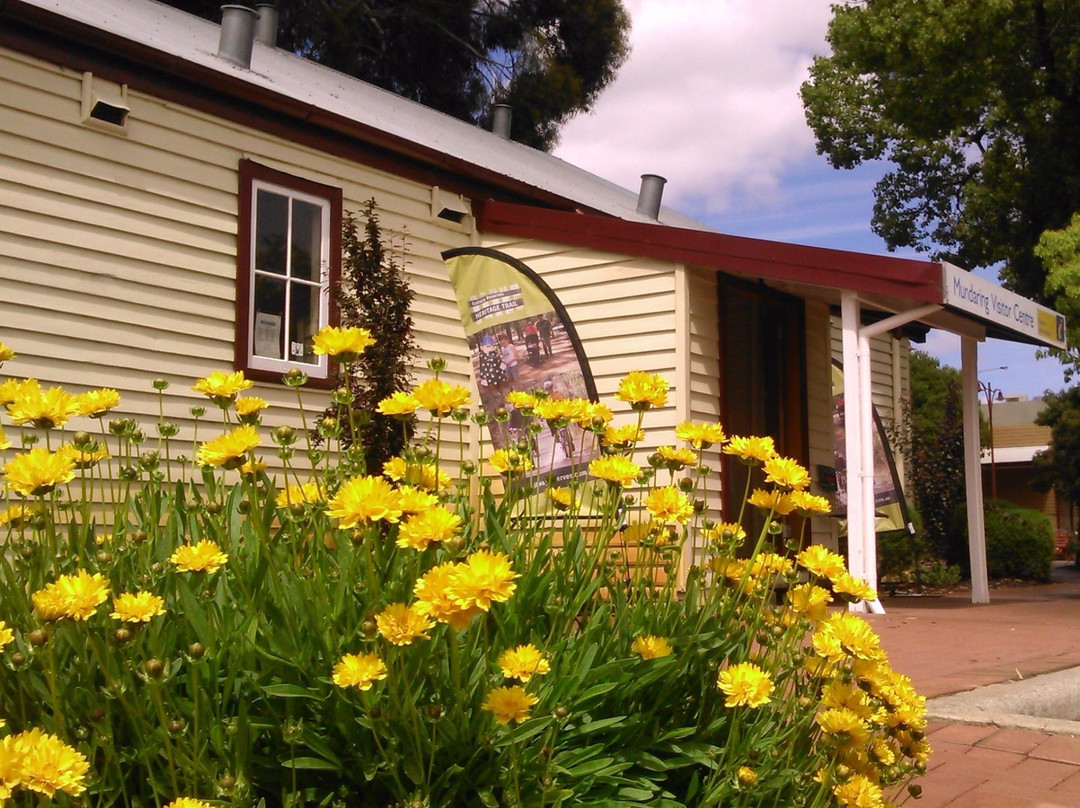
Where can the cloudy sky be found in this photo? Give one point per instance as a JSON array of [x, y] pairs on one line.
[[709, 100]]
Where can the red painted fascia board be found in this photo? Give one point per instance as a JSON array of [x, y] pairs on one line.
[[819, 266]]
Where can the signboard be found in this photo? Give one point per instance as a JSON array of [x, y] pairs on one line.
[[967, 292]]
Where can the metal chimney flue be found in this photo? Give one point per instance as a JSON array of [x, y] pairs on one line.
[[652, 191], [501, 115], [266, 27], [237, 35]]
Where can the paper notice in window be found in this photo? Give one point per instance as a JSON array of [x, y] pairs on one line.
[[268, 335]]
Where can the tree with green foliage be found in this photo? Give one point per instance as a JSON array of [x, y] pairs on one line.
[[1058, 467], [976, 105], [549, 60]]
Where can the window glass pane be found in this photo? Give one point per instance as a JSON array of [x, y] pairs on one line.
[[271, 229], [303, 322], [269, 316], [306, 238]]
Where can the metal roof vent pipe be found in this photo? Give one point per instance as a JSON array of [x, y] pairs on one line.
[[652, 190], [267, 26], [501, 115], [237, 35]]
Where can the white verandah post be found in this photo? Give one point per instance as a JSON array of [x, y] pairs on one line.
[[969, 357]]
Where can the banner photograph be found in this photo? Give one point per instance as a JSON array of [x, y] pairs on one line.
[[521, 340]]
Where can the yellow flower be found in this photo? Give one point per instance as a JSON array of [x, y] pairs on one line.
[[344, 342], [770, 564], [677, 458], [616, 470], [809, 601], [561, 411], [84, 458], [188, 802], [700, 436], [365, 499], [229, 450], [222, 387], [37, 472], [205, 556], [643, 390], [751, 450], [596, 415], [483, 578], [509, 704], [859, 792], [746, 685], [17, 515], [727, 533], [50, 765], [509, 461], [11, 760], [433, 597], [845, 634], [413, 500], [523, 663], [807, 504], [11, 389], [4, 442], [441, 398], [669, 504], [95, 403], [746, 776], [249, 406], [822, 562], [844, 724], [305, 494], [359, 670], [623, 437], [847, 696], [400, 623], [73, 596], [786, 473], [252, 467], [425, 475], [398, 405], [434, 524], [851, 589], [650, 647], [137, 607], [562, 498], [6, 353], [6, 634], [774, 501], [521, 400], [45, 409]]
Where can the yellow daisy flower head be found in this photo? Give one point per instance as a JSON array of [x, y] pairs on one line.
[[844, 725], [484, 578], [230, 450], [850, 589], [699, 435], [847, 696], [596, 416], [4, 442], [669, 504], [11, 389], [649, 646], [745, 684], [206, 556], [772, 501], [859, 792], [509, 704], [18, 516], [222, 387], [807, 504], [137, 607], [771, 564], [854, 635], [441, 398], [676, 458], [510, 461], [523, 663], [400, 623], [75, 597], [732, 569], [96, 403], [643, 390], [622, 437], [305, 494], [414, 500], [432, 593], [10, 767], [432, 525], [50, 765], [561, 497], [521, 400], [398, 405], [786, 473], [615, 470], [751, 450], [188, 802], [6, 353], [247, 407], [809, 601], [347, 343], [6, 634], [37, 472], [424, 475], [561, 411], [44, 409], [364, 499], [84, 458], [822, 562], [359, 670], [726, 534]]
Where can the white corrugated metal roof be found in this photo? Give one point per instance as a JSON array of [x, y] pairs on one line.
[[1012, 454], [195, 40]]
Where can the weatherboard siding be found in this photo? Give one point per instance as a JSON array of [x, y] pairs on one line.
[[118, 252]]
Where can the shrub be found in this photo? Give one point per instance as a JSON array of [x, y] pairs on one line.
[[1019, 541], [406, 639]]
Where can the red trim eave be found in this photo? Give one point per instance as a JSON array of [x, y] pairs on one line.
[[819, 266]]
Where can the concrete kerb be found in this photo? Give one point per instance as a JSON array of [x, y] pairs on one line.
[[1042, 703]]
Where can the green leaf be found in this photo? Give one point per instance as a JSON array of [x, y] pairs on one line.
[[288, 691], [310, 763]]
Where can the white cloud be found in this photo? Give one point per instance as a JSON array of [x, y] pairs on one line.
[[708, 98]]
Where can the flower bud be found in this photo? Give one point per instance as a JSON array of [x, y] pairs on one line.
[[82, 440], [197, 412], [104, 557], [226, 782], [196, 650], [38, 637], [562, 711], [18, 659], [154, 668], [160, 384], [176, 726], [915, 790], [121, 635], [294, 377], [436, 364]]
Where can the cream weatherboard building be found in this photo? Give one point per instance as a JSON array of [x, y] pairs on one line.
[[170, 204]]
